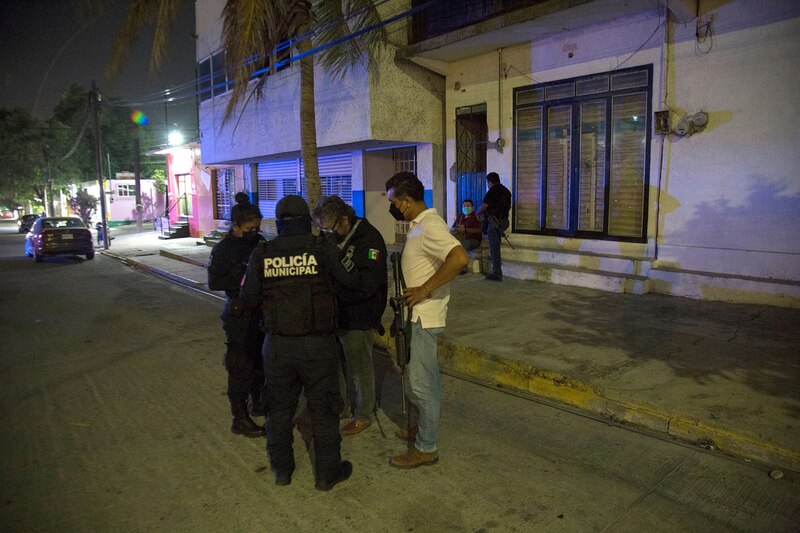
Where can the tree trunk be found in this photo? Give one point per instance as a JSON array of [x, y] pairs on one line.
[[308, 124]]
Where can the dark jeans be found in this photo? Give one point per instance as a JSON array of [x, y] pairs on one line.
[[494, 232], [243, 360], [309, 364]]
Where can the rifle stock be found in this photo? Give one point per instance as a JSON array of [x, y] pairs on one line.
[[401, 324]]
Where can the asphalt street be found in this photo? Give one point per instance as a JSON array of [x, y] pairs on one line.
[[114, 415]]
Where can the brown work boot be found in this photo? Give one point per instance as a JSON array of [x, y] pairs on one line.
[[414, 458], [356, 425], [407, 434]]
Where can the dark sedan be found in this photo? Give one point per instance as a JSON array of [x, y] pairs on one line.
[[25, 222], [59, 236]]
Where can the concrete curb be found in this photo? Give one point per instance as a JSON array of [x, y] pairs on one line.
[[177, 257], [202, 287], [501, 372]]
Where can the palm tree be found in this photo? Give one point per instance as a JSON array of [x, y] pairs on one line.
[[253, 30]]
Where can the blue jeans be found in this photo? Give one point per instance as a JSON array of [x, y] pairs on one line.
[[494, 232], [425, 385]]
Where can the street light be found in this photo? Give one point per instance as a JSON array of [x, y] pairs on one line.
[[175, 138]]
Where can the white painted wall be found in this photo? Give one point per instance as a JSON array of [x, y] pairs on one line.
[[729, 201]]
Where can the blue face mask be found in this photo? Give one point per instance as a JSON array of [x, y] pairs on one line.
[[466, 210]]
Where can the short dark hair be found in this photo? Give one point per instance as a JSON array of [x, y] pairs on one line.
[[241, 198], [465, 200], [333, 208], [406, 185], [493, 177], [244, 213]]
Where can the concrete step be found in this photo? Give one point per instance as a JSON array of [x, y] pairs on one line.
[[577, 277], [577, 259]]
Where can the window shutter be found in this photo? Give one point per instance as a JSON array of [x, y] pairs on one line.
[[276, 179], [528, 199], [628, 154]]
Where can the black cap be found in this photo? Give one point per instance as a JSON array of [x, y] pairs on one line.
[[290, 206]]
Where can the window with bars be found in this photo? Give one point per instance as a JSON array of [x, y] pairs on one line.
[[224, 193], [582, 154]]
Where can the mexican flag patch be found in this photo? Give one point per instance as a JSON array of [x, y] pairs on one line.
[[374, 254]]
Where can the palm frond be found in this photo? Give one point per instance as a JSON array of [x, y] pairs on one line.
[[338, 19], [252, 29], [140, 13], [167, 13]]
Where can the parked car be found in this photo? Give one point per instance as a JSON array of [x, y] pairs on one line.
[[25, 222], [58, 236]]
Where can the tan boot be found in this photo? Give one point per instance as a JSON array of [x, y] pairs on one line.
[[357, 425], [414, 458]]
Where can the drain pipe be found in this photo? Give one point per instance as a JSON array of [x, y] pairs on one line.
[[665, 92], [500, 142]]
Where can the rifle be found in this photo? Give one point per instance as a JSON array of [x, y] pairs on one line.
[[401, 325], [485, 227]]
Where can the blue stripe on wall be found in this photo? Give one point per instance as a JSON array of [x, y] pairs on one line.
[[428, 197], [254, 197], [358, 203]]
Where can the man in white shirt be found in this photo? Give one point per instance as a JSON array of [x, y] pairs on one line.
[[431, 258]]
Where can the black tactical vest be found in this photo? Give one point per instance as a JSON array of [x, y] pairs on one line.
[[297, 298]]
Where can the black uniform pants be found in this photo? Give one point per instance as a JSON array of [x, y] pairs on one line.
[[309, 364], [243, 360]]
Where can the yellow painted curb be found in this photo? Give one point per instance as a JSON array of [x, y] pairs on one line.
[[516, 375]]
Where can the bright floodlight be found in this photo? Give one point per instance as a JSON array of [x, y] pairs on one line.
[[175, 138]]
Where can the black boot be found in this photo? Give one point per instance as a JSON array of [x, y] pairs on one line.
[[255, 406], [244, 425], [342, 473]]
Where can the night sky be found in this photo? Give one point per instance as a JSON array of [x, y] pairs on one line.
[[33, 32]]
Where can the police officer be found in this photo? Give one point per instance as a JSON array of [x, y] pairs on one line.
[[360, 310], [293, 277], [242, 328]]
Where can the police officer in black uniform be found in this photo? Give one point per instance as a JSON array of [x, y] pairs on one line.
[[242, 328], [295, 277]]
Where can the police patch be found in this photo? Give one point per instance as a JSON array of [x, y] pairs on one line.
[[347, 260], [374, 255]]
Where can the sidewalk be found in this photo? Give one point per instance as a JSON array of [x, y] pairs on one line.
[[723, 376]]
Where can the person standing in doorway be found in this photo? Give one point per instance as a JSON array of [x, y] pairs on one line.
[[494, 211], [360, 311], [431, 258]]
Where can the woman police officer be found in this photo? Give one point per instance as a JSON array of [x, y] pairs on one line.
[[243, 359]]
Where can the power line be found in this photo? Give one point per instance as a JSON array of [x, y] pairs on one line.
[[189, 90]]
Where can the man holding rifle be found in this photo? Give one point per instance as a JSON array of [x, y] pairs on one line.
[[432, 257]]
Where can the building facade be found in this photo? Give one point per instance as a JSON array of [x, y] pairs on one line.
[[649, 146], [560, 98], [371, 123]]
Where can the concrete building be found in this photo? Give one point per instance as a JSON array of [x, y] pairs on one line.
[[370, 124], [701, 201], [649, 146], [120, 196]]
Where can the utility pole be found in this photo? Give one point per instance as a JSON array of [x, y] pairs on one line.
[[98, 162], [137, 173]]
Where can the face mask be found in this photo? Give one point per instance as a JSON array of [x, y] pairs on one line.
[[250, 236], [396, 213], [466, 210]]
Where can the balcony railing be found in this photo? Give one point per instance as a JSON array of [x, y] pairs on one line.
[[445, 16]]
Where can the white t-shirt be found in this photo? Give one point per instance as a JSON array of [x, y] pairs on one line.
[[427, 245]]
